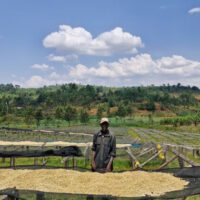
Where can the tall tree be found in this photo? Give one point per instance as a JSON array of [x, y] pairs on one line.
[[84, 117], [59, 113], [99, 112], [28, 115], [38, 116], [121, 111], [70, 114]]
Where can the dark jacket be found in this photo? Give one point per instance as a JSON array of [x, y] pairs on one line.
[[104, 146]]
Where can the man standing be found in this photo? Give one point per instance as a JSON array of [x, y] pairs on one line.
[[104, 148]]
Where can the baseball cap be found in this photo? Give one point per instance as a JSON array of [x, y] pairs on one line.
[[104, 119]]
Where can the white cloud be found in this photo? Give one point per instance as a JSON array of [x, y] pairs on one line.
[[141, 69], [54, 76], [39, 81], [36, 81], [138, 65], [54, 58], [42, 67], [178, 65], [80, 41], [194, 10], [63, 59], [141, 64]]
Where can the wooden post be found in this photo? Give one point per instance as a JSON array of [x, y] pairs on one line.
[[132, 163], [44, 161], [165, 150], [3, 160], [198, 153], [73, 164], [181, 162], [194, 153], [35, 161], [134, 160], [87, 154], [66, 163], [12, 161]]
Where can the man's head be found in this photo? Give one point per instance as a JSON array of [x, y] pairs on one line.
[[104, 123]]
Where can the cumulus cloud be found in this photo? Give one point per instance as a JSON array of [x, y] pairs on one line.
[[62, 59], [139, 65], [54, 58], [178, 65], [194, 10], [35, 82], [142, 64], [42, 67], [80, 41], [141, 69]]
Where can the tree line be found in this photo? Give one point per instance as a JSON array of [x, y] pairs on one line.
[[73, 101]]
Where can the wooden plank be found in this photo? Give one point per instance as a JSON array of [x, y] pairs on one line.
[[184, 147], [184, 158], [151, 158], [145, 152], [128, 150], [167, 162]]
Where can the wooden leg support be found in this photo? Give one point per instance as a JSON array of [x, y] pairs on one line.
[[191, 162], [12, 161], [167, 162]]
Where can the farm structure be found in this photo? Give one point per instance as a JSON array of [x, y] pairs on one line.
[[160, 146], [141, 155], [66, 150]]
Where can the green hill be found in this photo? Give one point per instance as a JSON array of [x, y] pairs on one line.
[[73, 103]]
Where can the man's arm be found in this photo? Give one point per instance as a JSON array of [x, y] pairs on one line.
[[93, 152], [93, 160], [108, 168], [112, 153]]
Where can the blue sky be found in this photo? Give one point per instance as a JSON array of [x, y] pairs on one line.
[[107, 42]]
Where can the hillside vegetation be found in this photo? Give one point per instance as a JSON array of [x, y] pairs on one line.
[[68, 104]]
